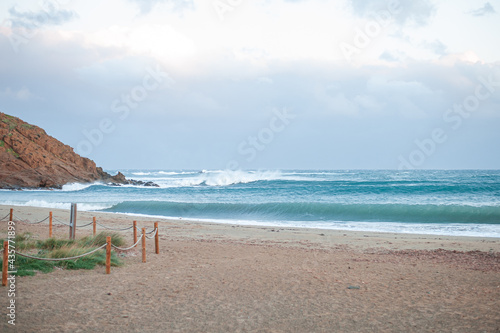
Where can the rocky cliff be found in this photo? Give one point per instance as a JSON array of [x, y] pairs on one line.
[[30, 158]]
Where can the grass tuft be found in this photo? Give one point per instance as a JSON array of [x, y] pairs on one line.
[[53, 243], [62, 248], [100, 239], [29, 267], [25, 241]]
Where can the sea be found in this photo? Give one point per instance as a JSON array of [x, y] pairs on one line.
[[438, 202]]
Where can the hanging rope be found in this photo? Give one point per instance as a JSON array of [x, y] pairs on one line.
[[19, 219], [28, 222], [153, 235], [150, 232], [6, 216], [59, 221], [127, 248], [114, 228], [61, 259]]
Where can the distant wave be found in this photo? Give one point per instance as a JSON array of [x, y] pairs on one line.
[[306, 211], [217, 178], [156, 173]]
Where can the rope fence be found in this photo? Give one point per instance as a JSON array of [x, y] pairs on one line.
[[115, 229], [127, 248], [108, 245], [61, 259], [10, 217], [152, 236], [150, 232], [26, 221], [61, 222], [154, 233]]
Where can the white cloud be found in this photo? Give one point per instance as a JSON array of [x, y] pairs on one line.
[[147, 5], [47, 14], [416, 12], [228, 74], [485, 10]]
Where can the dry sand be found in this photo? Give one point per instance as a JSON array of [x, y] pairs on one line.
[[226, 278]]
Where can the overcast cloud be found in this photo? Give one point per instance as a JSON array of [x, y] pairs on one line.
[[258, 84]]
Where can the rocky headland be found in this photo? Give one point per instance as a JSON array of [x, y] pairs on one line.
[[30, 158]]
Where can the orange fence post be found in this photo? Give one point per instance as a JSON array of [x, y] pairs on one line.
[[135, 232], [157, 239], [108, 254], [94, 224], [143, 244], [50, 224], [11, 216], [5, 262]]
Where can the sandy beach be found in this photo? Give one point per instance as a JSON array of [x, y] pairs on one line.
[[213, 277]]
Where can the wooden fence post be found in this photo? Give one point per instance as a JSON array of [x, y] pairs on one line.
[[143, 244], [94, 225], [50, 224], [108, 254], [157, 239], [11, 215], [135, 233], [5, 262]]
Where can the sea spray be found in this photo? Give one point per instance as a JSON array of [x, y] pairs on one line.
[[434, 201]]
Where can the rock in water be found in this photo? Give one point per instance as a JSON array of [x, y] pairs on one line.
[[30, 158]]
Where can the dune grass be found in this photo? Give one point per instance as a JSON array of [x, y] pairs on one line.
[[63, 248]]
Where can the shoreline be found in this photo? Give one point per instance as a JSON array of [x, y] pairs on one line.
[[321, 238]]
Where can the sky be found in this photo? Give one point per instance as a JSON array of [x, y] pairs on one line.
[[261, 84]]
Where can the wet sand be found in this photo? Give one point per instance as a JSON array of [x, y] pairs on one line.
[[213, 277]]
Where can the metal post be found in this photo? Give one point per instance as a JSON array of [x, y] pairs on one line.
[[72, 221]]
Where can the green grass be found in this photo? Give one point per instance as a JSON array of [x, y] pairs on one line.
[[12, 125], [25, 241], [62, 248], [53, 243], [100, 239], [2, 144], [29, 267]]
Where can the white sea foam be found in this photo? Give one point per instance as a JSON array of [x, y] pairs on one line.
[[76, 187], [451, 229], [219, 178], [142, 173], [84, 206], [162, 173]]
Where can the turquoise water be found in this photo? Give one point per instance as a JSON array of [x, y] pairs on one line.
[[431, 202]]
